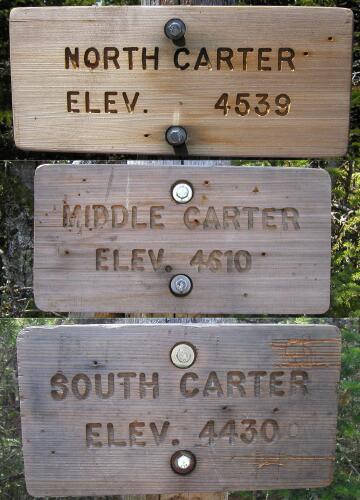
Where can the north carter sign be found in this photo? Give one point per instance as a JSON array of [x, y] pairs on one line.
[[244, 82], [109, 238], [103, 408]]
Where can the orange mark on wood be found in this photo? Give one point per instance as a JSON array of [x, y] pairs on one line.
[[270, 462], [306, 353]]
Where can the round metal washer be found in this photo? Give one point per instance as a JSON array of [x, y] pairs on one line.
[[175, 29], [183, 355], [176, 135], [181, 285], [183, 462], [182, 192]]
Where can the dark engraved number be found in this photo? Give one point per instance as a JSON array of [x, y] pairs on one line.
[[260, 103], [223, 103], [283, 102], [269, 430], [242, 107], [208, 432], [264, 103], [247, 431], [199, 261], [250, 432], [217, 261], [214, 262]]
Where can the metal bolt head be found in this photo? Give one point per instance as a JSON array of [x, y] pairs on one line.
[[183, 355], [182, 192], [183, 462], [180, 285], [175, 29], [176, 135]]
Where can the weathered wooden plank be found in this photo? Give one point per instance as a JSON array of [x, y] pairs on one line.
[[120, 253], [257, 408], [71, 66]]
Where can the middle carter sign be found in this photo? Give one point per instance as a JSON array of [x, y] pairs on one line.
[[115, 238]]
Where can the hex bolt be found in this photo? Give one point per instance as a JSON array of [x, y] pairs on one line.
[[180, 285], [175, 29], [176, 135], [182, 192], [183, 355], [183, 462]]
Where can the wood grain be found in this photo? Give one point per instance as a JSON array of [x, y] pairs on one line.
[[79, 267], [318, 84], [59, 460]]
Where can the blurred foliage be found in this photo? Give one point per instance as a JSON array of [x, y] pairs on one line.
[[346, 484]]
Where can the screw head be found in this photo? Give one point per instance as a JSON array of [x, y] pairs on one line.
[[175, 29], [182, 192], [183, 462], [183, 355], [180, 285], [176, 135]]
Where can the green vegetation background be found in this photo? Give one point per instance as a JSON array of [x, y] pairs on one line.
[[346, 484]]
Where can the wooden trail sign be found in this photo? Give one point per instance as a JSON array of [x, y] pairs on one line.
[[245, 81], [110, 238], [104, 409]]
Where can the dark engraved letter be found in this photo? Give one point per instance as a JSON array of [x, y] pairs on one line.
[[262, 58], [130, 51], [110, 386], [71, 101], [124, 216], [101, 215], [245, 51], [250, 215], [203, 59], [111, 437], [154, 216], [137, 259], [159, 437], [156, 261], [134, 433], [108, 101], [288, 58], [298, 380], [176, 58], [188, 393], [85, 382], [58, 383], [155, 57], [134, 223], [290, 215], [88, 109], [71, 219], [230, 217], [213, 385], [111, 57], [91, 62], [275, 382], [234, 380], [191, 224], [126, 376], [211, 220], [267, 218], [130, 106], [91, 434], [73, 57], [101, 256], [226, 57], [154, 384], [257, 375]]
